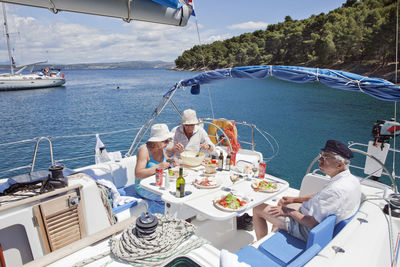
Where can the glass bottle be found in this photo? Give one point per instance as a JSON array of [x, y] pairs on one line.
[[220, 161], [228, 162], [180, 184]]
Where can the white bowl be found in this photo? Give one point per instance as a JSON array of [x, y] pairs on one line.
[[192, 158]]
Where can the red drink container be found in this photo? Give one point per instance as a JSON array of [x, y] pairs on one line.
[[261, 170], [159, 177], [233, 158]]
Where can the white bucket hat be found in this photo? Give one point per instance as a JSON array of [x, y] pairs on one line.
[[159, 133], [189, 117]]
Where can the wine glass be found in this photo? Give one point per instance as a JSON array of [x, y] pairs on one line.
[[234, 178], [254, 168]]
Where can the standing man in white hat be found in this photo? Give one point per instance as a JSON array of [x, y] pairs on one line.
[[189, 136]]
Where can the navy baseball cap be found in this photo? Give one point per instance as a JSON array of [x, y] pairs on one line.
[[336, 147]]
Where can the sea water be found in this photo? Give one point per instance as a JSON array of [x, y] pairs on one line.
[[301, 117]]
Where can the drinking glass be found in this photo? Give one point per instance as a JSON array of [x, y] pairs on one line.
[[234, 178], [254, 169]]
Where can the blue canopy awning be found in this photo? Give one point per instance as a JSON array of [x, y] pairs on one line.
[[170, 3], [375, 87]]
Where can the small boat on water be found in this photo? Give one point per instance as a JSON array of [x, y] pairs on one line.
[[63, 217], [16, 80], [10, 82]]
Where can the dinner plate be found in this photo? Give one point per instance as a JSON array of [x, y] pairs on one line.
[[266, 190], [220, 207], [213, 183]]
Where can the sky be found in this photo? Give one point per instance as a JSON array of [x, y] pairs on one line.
[[67, 38]]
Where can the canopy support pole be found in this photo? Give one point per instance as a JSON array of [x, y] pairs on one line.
[[143, 130], [176, 109]]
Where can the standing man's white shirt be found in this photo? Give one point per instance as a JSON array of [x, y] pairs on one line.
[[340, 196], [199, 137]]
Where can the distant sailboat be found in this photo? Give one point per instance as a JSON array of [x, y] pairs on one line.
[[15, 80]]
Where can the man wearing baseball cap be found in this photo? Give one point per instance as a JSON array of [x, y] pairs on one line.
[[298, 215], [189, 136]]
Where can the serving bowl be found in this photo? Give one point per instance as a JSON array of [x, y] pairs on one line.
[[192, 158]]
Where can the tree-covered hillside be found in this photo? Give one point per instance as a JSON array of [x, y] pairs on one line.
[[359, 32]]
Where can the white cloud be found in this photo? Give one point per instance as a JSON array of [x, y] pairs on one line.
[[220, 37], [66, 43], [250, 25]]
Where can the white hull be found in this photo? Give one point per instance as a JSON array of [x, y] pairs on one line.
[[29, 81]]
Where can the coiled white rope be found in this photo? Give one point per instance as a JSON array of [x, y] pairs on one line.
[[168, 240], [172, 237]]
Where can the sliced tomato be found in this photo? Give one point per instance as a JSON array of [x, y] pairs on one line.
[[242, 203], [223, 203]]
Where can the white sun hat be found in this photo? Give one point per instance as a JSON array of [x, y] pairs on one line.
[[159, 133], [189, 117]]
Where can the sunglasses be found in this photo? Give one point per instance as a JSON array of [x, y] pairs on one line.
[[325, 158]]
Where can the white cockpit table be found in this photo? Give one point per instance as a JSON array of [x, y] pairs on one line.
[[200, 201]]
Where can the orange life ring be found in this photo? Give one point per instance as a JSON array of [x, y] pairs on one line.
[[230, 130]]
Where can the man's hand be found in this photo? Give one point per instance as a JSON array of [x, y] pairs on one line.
[[276, 211], [205, 146], [178, 147], [284, 201]]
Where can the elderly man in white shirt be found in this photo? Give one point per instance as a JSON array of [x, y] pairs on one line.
[[298, 215], [189, 136]]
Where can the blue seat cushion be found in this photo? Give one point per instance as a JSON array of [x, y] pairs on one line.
[[343, 223], [127, 191], [254, 257], [125, 206], [282, 247]]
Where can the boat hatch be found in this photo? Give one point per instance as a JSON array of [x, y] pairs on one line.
[[60, 221]]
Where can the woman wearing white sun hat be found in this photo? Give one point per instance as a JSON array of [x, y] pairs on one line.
[[152, 156]]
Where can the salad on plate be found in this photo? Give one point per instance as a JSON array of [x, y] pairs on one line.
[[231, 202], [265, 186]]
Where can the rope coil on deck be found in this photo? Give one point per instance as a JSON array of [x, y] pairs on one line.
[[168, 240]]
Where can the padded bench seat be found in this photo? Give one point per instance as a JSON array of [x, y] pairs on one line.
[[255, 257], [282, 249]]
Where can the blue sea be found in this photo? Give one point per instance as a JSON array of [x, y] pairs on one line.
[[301, 117]]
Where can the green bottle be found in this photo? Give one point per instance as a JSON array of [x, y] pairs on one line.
[[180, 184]]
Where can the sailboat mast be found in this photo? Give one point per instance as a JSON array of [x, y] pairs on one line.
[[8, 39]]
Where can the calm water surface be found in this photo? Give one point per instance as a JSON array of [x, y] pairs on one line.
[[300, 116]]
